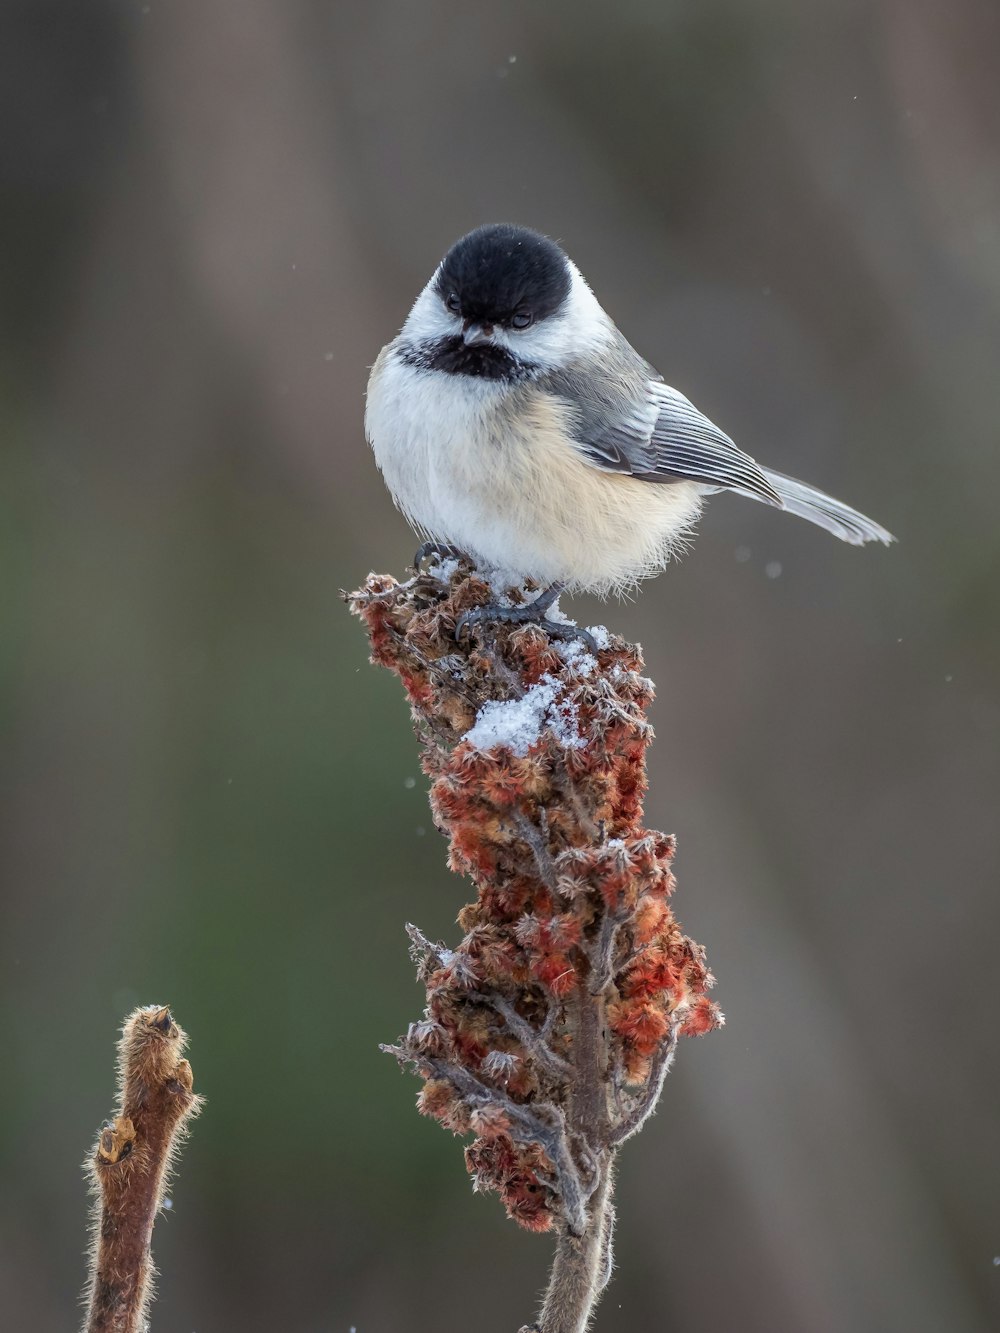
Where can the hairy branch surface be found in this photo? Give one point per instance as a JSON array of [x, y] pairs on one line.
[[130, 1168]]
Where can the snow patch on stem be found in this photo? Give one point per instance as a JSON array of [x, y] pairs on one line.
[[518, 723]]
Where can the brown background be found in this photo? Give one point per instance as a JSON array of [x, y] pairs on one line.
[[214, 212]]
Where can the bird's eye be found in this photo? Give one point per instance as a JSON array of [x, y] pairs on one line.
[[453, 303], [522, 319]]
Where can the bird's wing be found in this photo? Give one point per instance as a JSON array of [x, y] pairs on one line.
[[798, 497], [655, 434], [688, 445]]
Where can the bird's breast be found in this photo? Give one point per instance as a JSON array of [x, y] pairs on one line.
[[435, 435], [492, 468]]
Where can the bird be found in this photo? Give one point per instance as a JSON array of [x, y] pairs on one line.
[[514, 424]]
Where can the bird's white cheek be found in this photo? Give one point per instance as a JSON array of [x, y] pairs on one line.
[[579, 331], [429, 320]]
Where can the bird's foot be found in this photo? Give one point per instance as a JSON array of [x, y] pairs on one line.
[[440, 551], [532, 613]]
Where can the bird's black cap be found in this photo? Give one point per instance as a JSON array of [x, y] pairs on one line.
[[501, 269]]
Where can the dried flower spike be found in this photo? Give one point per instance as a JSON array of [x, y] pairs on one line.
[[550, 1028], [130, 1167]]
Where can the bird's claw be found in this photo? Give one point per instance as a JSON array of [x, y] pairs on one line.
[[440, 550], [531, 614]]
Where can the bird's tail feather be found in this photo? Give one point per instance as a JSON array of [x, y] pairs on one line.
[[840, 519]]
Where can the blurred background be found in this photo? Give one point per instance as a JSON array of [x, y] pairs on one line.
[[213, 214]]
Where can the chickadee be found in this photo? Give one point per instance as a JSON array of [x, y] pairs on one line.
[[514, 423]]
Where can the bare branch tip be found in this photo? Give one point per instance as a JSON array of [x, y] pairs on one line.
[[130, 1167]]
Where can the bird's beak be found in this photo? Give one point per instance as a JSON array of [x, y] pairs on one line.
[[474, 335]]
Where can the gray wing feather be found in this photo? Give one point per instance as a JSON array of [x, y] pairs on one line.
[[633, 423], [844, 522], [615, 415], [690, 446]]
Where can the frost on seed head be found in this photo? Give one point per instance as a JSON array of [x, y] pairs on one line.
[[517, 724]]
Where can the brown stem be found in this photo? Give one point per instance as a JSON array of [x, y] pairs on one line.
[[582, 1262], [130, 1167], [588, 1093], [580, 1268]]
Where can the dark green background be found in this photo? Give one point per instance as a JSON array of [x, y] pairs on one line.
[[214, 212]]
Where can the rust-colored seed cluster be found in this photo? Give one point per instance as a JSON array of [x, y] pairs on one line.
[[131, 1164], [550, 1027]]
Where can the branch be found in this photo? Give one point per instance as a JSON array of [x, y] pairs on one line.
[[530, 1038], [580, 1269], [532, 1029], [647, 1101], [526, 1125], [602, 954], [131, 1165], [544, 860]]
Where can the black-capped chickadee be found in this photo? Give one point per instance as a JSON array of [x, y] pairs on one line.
[[512, 421]]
